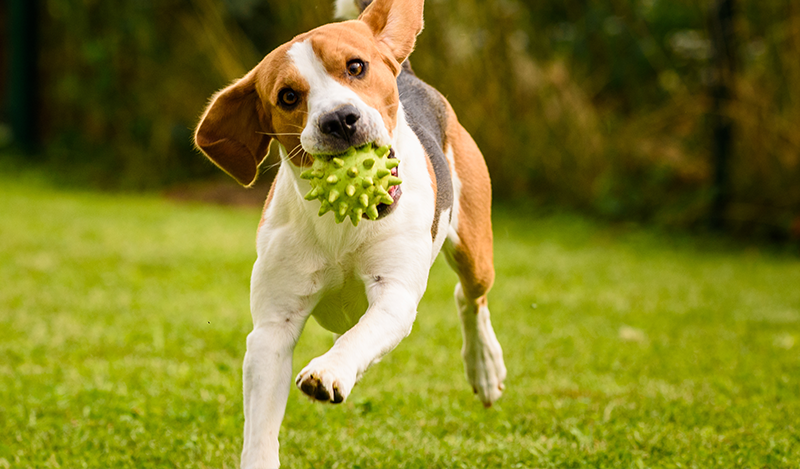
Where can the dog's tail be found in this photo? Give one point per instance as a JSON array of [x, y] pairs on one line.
[[349, 9]]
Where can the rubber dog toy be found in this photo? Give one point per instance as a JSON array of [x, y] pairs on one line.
[[354, 183]]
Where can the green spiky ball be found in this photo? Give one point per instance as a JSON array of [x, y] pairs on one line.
[[354, 183]]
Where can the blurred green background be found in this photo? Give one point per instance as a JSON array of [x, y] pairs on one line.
[[675, 112]]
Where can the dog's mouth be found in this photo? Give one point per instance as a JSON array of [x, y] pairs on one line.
[[394, 192]]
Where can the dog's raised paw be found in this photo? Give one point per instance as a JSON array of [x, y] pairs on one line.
[[321, 385]]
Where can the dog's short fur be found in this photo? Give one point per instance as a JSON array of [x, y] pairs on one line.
[[340, 85]]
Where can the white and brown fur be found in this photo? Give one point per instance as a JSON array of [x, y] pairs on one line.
[[363, 283]]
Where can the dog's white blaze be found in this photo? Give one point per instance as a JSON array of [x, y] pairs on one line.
[[327, 94]]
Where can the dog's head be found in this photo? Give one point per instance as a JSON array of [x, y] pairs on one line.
[[324, 91]]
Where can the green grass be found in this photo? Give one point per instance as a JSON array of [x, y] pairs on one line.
[[123, 323]]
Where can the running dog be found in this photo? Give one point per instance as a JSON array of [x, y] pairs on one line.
[[339, 86]]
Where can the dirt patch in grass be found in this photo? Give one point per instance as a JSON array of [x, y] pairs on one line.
[[220, 192]]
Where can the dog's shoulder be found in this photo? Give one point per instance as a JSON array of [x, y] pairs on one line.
[[426, 109], [428, 113]]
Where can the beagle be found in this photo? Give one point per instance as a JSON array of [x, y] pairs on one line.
[[338, 86]]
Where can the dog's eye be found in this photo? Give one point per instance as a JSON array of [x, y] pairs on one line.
[[356, 68], [288, 97]]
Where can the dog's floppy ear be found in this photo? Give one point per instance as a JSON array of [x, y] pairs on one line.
[[233, 131], [396, 24]]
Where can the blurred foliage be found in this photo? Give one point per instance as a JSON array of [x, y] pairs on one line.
[[125, 82], [605, 104], [600, 105]]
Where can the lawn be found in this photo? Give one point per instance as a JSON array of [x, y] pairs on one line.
[[123, 321]]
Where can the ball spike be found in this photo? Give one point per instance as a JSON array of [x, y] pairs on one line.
[[307, 174], [332, 179], [338, 217], [394, 181], [334, 194], [372, 212], [382, 151], [312, 194], [324, 208], [343, 207], [387, 199], [352, 172], [368, 163], [350, 190], [363, 199], [337, 162], [382, 173], [355, 216], [367, 182], [392, 163]]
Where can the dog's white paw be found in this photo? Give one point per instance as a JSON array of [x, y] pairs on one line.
[[483, 363], [324, 381]]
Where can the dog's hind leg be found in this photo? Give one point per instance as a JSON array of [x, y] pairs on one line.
[[468, 250]]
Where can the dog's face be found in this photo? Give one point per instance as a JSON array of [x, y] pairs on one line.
[[337, 86], [321, 93]]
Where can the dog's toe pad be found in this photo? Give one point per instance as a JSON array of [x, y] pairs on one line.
[[313, 387], [321, 384]]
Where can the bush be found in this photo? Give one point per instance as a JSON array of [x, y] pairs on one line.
[[601, 105]]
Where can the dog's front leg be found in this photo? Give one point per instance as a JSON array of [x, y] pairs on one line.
[[267, 380], [279, 315], [392, 310]]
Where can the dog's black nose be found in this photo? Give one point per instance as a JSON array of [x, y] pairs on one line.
[[340, 123]]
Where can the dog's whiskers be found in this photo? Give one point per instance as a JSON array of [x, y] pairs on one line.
[[295, 151], [277, 134]]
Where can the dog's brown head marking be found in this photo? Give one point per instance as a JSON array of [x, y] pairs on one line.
[[275, 99]]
